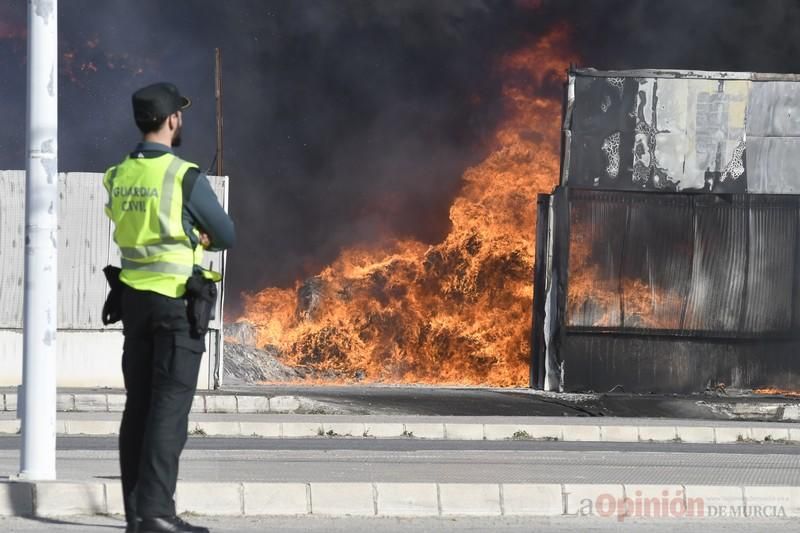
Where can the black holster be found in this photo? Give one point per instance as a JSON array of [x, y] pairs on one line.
[[201, 298], [112, 308]]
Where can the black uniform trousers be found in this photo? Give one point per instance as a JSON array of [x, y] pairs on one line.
[[160, 364]]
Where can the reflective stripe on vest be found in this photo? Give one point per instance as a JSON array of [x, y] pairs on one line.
[[159, 266], [148, 250], [165, 207]]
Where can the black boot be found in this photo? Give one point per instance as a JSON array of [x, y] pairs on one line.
[[132, 527], [168, 524]]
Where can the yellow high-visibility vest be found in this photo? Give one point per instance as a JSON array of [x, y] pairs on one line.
[[145, 202]]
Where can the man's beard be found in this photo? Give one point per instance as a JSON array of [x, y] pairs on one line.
[[176, 137]]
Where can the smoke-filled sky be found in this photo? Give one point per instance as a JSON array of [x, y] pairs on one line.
[[347, 121]]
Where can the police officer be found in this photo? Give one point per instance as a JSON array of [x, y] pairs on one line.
[[164, 213]]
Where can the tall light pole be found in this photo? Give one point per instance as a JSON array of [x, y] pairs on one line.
[[38, 457]]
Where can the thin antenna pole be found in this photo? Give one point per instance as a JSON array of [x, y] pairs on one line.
[[218, 97], [40, 309]]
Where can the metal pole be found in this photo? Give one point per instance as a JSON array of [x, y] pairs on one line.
[[38, 456], [218, 97], [220, 362]]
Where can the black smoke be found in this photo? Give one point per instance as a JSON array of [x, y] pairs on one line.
[[348, 122]]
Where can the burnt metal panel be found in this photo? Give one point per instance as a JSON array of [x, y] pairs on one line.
[[773, 165], [657, 134], [598, 221], [555, 303], [723, 265], [686, 74], [657, 264], [716, 297], [771, 264], [602, 132], [631, 258], [693, 131], [773, 109], [604, 105], [795, 292], [666, 364], [540, 276], [708, 290], [697, 285], [666, 131]]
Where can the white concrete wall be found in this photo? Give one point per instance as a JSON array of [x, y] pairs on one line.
[[85, 359]]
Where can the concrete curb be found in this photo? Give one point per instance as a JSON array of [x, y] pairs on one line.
[[52, 499], [707, 434], [233, 403], [114, 402]]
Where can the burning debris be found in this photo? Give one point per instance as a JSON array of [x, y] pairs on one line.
[[454, 312], [245, 363]]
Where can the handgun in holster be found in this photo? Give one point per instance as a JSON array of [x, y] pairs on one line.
[[201, 298], [112, 308]]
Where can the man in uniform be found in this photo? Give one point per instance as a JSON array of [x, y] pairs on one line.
[[165, 213]]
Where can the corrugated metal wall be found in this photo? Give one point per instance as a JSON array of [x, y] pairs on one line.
[[85, 247], [685, 263], [12, 246]]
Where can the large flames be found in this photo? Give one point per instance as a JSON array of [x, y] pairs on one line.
[[456, 312]]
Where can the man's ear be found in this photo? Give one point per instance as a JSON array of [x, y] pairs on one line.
[[173, 121]]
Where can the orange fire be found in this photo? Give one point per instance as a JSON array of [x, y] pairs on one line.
[[457, 312]]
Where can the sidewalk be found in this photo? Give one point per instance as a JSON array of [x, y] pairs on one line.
[[393, 499], [445, 401], [570, 429]]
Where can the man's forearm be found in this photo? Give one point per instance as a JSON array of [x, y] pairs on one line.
[[210, 217]]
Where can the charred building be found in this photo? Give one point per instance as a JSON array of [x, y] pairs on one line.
[[668, 258]]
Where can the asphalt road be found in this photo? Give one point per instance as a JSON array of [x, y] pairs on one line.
[[198, 443], [304, 524], [409, 460]]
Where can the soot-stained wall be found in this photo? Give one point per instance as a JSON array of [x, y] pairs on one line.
[[676, 242], [685, 131]]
